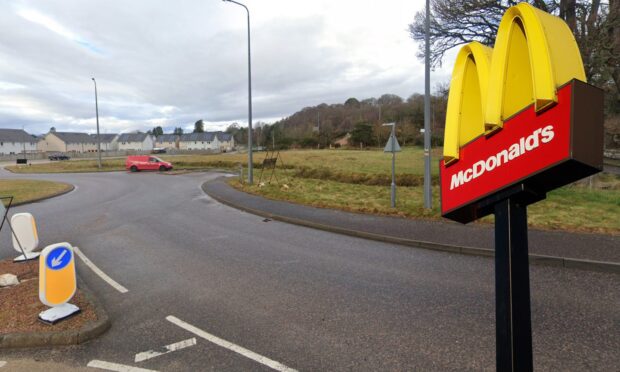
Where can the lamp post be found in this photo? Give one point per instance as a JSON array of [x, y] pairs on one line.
[[428, 201], [250, 173], [98, 138]]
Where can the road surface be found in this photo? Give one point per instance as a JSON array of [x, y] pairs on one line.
[[229, 291]]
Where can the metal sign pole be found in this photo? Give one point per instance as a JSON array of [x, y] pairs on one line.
[[513, 333], [393, 194]]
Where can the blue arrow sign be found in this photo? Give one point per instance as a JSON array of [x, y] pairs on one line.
[[58, 258]]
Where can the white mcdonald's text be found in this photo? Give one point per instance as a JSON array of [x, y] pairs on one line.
[[525, 144]]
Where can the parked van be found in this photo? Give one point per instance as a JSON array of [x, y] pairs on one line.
[[136, 163]]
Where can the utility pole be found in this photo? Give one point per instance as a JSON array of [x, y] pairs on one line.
[[250, 165], [98, 138], [428, 201], [318, 127]]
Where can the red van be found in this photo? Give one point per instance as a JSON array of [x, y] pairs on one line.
[[136, 163]]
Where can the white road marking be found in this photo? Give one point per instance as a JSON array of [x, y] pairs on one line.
[[2, 363], [115, 367], [230, 346], [98, 271], [169, 348]]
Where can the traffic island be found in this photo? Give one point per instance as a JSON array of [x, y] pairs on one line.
[[20, 307]]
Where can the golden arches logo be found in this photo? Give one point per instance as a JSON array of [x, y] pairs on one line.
[[535, 53]]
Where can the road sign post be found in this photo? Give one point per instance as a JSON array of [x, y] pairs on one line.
[[57, 282], [393, 147], [24, 236]]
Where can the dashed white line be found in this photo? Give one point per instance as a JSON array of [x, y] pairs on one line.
[[169, 348], [230, 346], [98, 271], [115, 367]]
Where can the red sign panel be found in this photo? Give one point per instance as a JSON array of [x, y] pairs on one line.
[[528, 144]]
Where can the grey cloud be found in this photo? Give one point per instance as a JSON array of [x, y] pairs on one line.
[[186, 54]]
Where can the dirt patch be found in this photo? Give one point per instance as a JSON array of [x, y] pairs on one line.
[[20, 305]]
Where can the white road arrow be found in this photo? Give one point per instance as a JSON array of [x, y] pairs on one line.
[[58, 260], [167, 349]]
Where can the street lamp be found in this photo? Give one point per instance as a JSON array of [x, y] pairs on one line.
[[250, 173], [428, 196], [98, 139]]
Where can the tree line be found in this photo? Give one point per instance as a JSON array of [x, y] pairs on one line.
[[595, 25], [320, 126]]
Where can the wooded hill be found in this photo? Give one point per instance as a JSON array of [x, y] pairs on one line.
[[322, 125]]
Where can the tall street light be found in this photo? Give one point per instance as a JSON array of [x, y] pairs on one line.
[[428, 200], [250, 173], [98, 139]]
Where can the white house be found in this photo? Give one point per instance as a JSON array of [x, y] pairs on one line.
[[16, 141], [226, 141], [197, 141], [167, 141], [215, 141], [108, 141], [135, 141]]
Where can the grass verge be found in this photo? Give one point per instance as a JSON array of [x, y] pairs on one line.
[[573, 208], [24, 191]]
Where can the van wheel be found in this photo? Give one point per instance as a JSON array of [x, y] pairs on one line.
[[133, 168], [162, 168]]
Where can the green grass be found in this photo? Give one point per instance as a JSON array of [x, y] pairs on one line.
[[572, 208], [73, 166], [24, 191], [338, 162], [359, 181]]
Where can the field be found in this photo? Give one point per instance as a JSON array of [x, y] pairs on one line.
[[359, 181], [24, 191]]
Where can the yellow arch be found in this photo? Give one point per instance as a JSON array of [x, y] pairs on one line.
[[467, 99], [534, 54]]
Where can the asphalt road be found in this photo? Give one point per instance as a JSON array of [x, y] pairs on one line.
[[310, 300]]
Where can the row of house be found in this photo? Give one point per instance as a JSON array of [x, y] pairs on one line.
[[15, 141]]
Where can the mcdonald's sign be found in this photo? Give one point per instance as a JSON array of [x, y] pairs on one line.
[[520, 113]]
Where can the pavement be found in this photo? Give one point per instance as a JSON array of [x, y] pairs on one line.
[[194, 285], [559, 248]]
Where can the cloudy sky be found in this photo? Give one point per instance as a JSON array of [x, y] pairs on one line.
[[170, 63]]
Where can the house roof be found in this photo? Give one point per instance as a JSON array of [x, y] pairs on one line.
[[206, 136], [222, 136], [167, 138], [16, 135], [105, 137], [74, 137], [132, 137]]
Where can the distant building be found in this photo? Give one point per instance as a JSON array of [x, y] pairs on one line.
[[214, 141], [197, 141], [16, 141], [167, 141], [135, 141], [108, 141], [67, 142], [226, 141], [343, 141]]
